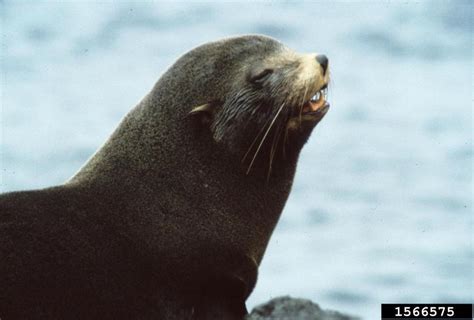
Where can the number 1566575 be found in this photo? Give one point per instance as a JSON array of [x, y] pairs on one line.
[[431, 311]]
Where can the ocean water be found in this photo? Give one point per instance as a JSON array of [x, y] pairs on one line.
[[381, 208]]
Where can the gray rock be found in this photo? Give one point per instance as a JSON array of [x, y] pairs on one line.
[[287, 308]]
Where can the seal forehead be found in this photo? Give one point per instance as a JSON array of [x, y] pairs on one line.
[[237, 50], [216, 70], [255, 43]]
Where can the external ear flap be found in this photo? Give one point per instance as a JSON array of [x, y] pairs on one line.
[[203, 109], [205, 112]]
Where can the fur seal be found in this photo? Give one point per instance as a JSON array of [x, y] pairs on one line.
[[171, 217]]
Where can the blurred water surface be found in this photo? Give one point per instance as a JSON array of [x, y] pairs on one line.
[[381, 209]]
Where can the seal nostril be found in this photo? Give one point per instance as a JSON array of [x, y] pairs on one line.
[[323, 62]]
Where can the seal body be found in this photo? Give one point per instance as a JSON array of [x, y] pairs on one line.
[[171, 217]]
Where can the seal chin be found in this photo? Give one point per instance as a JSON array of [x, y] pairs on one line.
[[308, 119], [315, 115]]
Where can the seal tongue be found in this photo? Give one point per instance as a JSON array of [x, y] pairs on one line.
[[316, 105]]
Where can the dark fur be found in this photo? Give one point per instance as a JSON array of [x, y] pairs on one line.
[[162, 222]]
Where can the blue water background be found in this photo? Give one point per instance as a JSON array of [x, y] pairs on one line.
[[381, 208]]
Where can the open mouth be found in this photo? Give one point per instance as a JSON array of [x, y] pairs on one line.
[[317, 103]]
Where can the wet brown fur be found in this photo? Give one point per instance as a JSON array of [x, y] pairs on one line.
[[164, 221]]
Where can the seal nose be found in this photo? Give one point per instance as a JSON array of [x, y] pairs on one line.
[[323, 62]]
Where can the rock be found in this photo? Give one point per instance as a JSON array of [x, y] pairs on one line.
[[287, 308]]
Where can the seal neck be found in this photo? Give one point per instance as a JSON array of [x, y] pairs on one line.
[[157, 164]]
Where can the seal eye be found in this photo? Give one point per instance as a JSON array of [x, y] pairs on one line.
[[261, 76]]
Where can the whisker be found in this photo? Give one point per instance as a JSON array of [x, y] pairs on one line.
[[264, 137], [255, 140], [303, 101], [276, 138]]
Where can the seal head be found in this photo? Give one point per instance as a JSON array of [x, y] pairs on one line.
[[272, 96]]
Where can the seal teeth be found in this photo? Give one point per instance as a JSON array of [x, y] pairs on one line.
[[316, 96], [325, 93], [321, 93]]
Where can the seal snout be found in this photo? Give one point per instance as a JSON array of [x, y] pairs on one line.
[[323, 62], [317, 104]]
